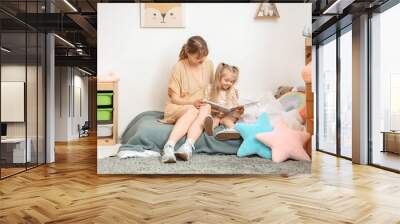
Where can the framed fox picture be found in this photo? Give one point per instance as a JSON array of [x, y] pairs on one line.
[[162, 15]]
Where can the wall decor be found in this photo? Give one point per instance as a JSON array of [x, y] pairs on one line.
[[162, 15], [266, 11]]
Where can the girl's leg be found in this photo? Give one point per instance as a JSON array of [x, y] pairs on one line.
[[229, 133], [210, 123], [183, 123], [228, 121], [216, 121], [196, 128]]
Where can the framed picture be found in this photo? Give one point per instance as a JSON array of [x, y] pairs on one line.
[[266, 11], [162, 15]]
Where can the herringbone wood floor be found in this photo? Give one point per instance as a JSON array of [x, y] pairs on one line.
[[70, 191]]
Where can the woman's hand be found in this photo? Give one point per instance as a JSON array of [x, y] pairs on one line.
[[217, 113], [198, 103], [180, 100], [214, 111]]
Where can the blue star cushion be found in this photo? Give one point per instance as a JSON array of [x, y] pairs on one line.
[[251, 145]]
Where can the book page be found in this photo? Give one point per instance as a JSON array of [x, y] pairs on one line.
[[218, 106], [242, 103]]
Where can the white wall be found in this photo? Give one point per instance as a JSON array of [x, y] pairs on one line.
[[66, 121], [269, 53], [61, 103], [79, 117], [82, 82]]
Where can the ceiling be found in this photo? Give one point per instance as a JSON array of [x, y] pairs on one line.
[[333, 15], [74, 22]]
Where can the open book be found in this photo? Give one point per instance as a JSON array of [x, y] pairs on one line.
[[219, 107]]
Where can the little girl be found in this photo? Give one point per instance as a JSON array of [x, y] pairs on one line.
[[222, 91]]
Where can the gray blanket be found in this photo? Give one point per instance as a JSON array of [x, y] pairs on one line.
[[145, 133]]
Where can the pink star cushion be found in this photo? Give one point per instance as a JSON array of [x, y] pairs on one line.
[[285, 143]]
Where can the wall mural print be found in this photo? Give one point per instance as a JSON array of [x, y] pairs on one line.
[[168, 15]]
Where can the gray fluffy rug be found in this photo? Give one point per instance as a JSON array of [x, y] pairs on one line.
[[202, 164]]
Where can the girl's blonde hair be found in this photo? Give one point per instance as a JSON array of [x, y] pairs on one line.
[[216, 84], [194, 45]]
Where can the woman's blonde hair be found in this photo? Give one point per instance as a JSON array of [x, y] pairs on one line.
[[194, 45], [216, 84]]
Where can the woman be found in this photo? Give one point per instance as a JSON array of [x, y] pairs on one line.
[[185, 107]]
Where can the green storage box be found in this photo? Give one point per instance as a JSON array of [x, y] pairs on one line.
[[104, 114], [104, 99]]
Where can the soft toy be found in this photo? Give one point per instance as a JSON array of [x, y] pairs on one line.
[[285, 143], [250, 145], [282, 90], [293, 100]]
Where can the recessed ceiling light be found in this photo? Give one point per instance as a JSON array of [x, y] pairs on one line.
[[5, 50], [64, 40], [70, 5], [84, 71], [338, 6]]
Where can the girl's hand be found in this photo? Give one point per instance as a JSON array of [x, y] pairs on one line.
[[220, 114], [240, 110]]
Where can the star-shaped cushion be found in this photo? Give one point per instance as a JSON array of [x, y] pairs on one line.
[[250, 145], [285, 143]]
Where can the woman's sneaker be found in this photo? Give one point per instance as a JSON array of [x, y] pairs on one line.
[[167, 155], [185, 151], [208, 125], [227, 134]]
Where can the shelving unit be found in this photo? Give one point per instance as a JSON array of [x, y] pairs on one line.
[[309, 97], [308, 50], [107, 113]]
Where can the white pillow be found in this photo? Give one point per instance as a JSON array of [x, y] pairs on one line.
[[267, 103], [270, 105], [292, 119]]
